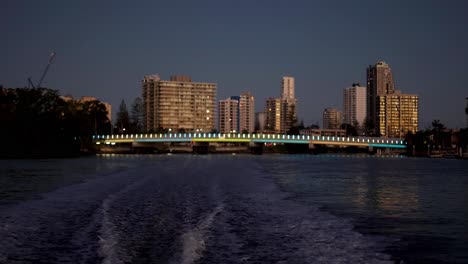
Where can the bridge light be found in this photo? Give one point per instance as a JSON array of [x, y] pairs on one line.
[[308, 137], [392, 141], [98, 143], [112, 143]]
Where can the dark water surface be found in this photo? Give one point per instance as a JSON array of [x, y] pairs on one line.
[[233, 209]]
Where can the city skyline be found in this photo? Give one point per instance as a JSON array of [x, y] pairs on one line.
[[243, 47]]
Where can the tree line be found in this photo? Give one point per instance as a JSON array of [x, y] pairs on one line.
[[39, 123]]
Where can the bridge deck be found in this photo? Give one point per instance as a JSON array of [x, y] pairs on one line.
[[252, 138]]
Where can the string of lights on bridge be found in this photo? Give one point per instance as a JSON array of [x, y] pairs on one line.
[[255, 138]]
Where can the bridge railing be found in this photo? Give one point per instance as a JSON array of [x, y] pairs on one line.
[[255, 137]]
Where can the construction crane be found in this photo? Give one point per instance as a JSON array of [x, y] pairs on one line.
[[51, 59]]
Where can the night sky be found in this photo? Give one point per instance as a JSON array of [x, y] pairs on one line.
[[104, 48]]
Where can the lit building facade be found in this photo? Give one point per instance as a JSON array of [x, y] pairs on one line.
[[379, 82], [246, 113], [281, 115], [228, 113], [273, 115], [398, 113], [331, 118], [287, 87], [178, 104], [355, 106]]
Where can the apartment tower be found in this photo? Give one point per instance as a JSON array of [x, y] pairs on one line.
[[178, 104], [331, 118], [228, 114], [398, 114], [355, 106], [379, 82]]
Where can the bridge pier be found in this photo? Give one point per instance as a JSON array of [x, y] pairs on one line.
[[256, 148], [201, 148]]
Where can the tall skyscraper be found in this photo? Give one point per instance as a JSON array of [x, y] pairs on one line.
[[379, 82], [332, 118], [246, 112], [287, 88], [355, 106], [178, 104], [281, 113], [228, 113], [398, 114]]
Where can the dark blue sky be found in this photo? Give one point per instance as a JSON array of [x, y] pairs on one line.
[[104, 48]]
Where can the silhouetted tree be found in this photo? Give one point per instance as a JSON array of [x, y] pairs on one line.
[[437, 133], [136, 117], [37, 122], [350, 129], [123, 121]]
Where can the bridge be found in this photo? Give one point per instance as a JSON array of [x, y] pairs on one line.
[[252, 139]]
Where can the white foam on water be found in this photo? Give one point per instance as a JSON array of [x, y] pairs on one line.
[[194, 240], [108, 237]]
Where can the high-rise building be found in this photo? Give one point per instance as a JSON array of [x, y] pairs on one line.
[[281, 113], [379, 82], [355, 106], [331, 118], [273, 115], [244, 119], [228, 113], [178, 104], [246, 112], [398, 114], [287, 88]]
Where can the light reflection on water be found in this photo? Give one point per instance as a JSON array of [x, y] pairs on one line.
[[421, 202], [418, 203]]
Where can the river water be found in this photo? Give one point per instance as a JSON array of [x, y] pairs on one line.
[[234, 209]]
